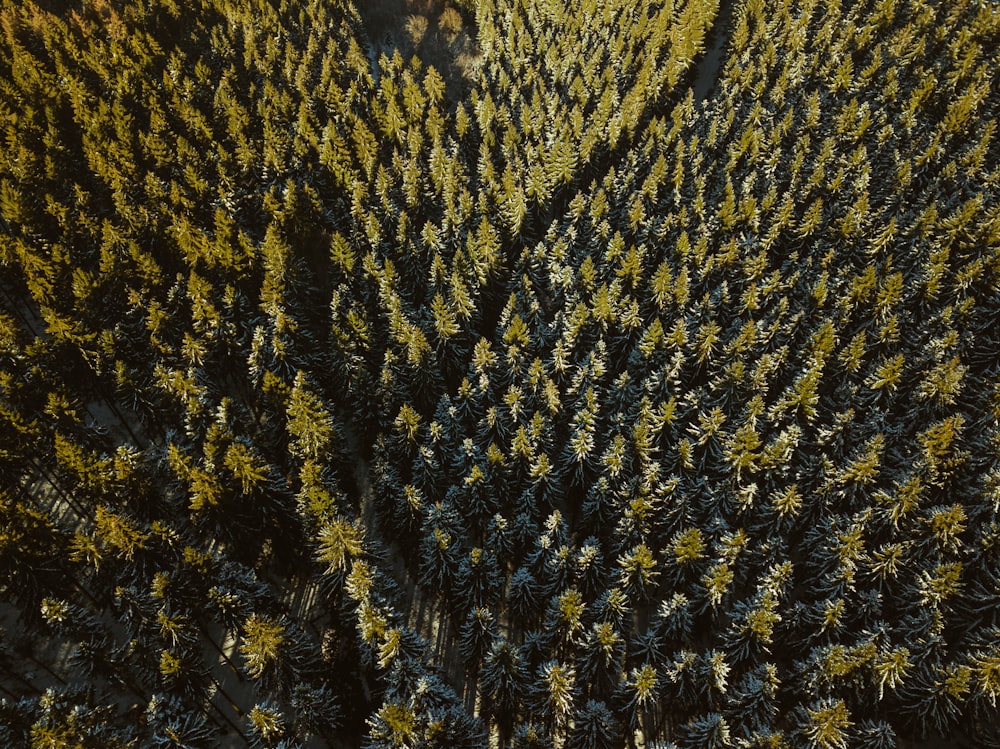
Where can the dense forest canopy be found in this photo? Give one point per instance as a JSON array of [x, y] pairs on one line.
[[448, 374]]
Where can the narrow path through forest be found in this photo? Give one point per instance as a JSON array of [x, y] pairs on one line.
[[425, 615], [706, 69]]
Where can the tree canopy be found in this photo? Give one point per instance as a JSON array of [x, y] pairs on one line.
[[352, 394]]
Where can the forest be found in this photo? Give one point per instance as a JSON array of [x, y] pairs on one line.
[[508, 374]]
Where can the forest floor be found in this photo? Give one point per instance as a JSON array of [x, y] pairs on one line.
[[707, 69], [432, 30], [423, 614]]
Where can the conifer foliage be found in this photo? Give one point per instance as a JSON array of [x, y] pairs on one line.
[[346, 401]]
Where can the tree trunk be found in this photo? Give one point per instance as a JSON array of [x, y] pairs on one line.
[[218, 649]]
